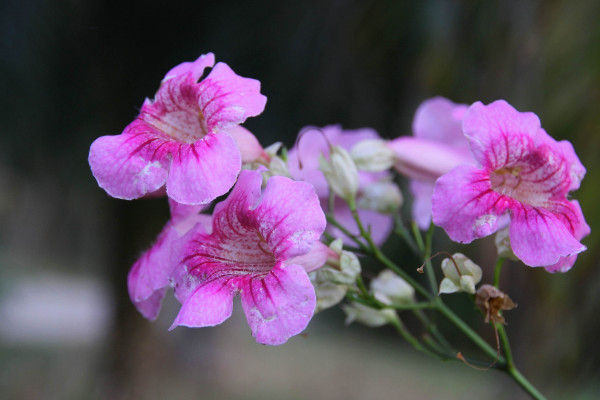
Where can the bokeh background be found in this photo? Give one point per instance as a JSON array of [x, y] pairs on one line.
[[71, 71]]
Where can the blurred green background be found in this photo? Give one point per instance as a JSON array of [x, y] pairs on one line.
[[72, 71]]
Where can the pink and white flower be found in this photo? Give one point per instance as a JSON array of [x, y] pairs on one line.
[[315, 142], [437, 146], [182, 138], [523, 176], [149, 276], [256, 241]]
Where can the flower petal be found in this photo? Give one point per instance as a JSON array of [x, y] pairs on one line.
[[280, 305], [290, 215], [465, 205], [498, 133], [128, 166], [228, 99], [202, 171], [540, 237], [209, 305], [440, 120], [194, 68], [149, 276]]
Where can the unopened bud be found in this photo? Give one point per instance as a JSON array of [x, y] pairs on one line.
[[341, 173], [373, 155], [461, 275], [383, 197], [368, 316], [339, 274], [390, 289]]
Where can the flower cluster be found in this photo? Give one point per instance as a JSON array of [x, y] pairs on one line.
[[474, 170]]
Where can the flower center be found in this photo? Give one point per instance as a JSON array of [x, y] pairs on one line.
[[518, 184], [187, 126]]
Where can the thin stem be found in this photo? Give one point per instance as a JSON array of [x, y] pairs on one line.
[[401, 231], [346, 232], [418, 238], [401, 329], [427, 257], [512, 370], [470, 333], [497, 270]]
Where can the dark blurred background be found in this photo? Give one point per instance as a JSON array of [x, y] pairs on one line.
[[73, 71]]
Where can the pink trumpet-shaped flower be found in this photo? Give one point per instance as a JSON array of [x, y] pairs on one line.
[[523, 176], [149, 276], [256, 240], [315, 142], [180, 139], [437, 146]]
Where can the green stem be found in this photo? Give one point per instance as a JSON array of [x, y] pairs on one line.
[[429, 271], [512, 370], [411, 339], [401, 231], [497, 270], [471, 334]]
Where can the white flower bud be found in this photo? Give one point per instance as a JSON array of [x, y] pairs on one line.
[[328, 293], [273, 149], [373, 155], [390, 289], [461, 277], [332, 281], [367, 315], [383, 197], [341, 173], [502, 240]]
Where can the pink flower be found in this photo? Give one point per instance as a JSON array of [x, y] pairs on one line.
[[311, 145], [149, 276], [181, 137], [438, 146], [524, 176], [252, 250]]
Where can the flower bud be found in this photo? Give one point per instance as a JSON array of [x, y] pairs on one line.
[[368, 316], [341, 173], [390, 289], [373, 155], [339, 274], [461, 275], [383, 197]]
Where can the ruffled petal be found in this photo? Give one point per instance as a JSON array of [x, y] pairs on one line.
[[499, 134], [149, 276], [128, 166], [280, 305], [209, 305], [539, 237], [440, 120], [195, 68], [465, 205], [202, 171], [227, 99], [290, 217]]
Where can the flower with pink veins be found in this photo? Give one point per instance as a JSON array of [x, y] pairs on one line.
[[438, 145], [523, 176], [148, 278], [256, 240], [185, 138], [316, 141]]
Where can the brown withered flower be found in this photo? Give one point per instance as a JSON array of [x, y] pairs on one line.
[[492, 301]]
